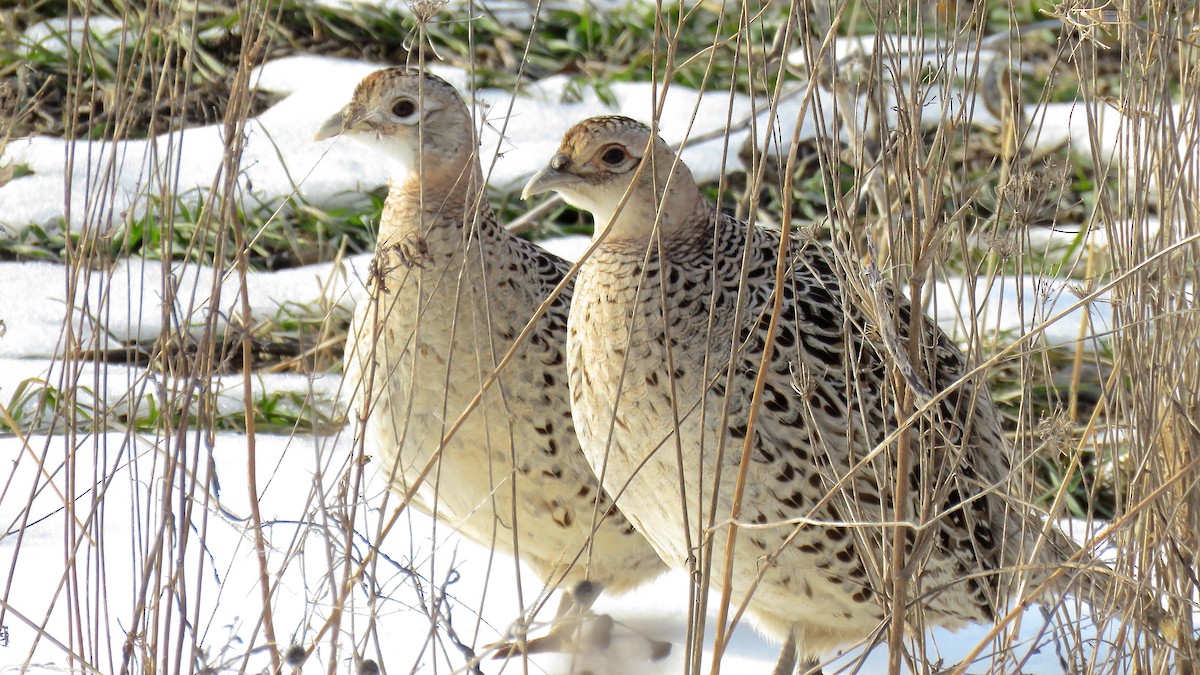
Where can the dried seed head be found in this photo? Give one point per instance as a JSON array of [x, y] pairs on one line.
[[295, 655], [426, 10], [1055, 429], [1004, 246]]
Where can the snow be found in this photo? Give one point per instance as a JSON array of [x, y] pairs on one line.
[[281, 160], [64, 36], [1016, 306], [520, 130], [131, 295], [1050, 125], [34, 308], [128, 390], [299, 479], [299, 476], [906, 51]]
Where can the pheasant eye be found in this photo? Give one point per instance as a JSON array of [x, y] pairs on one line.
[[613, 156], [403, 108]]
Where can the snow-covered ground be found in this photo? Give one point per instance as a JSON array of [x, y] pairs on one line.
[[300, 475], [116, 512], [34, 304]]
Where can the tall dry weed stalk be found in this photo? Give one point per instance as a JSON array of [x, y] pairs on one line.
[[1150, 210], [150, 88]]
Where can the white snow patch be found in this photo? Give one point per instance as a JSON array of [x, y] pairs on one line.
[[280, 157], [65, 35], [1122, 142], [1014, 306], [299, 480], [571, 247], [127, 301], [110, 390], [907, 53], [131, 295]]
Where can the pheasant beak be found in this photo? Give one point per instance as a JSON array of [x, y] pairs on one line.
[[348, 119], [555, 176]]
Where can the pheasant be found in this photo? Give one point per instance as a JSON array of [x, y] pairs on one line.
[[450, 293], [664, 353]]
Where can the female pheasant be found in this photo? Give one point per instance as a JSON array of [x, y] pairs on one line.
[[665, 346], [453, 291]]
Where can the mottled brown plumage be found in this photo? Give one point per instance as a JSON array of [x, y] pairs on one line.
[[662, 411], [453, 291]]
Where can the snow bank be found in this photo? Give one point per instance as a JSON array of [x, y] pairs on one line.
[[280, 159], [117, 392], [126, 302], [299, 480], [131, 295], [1013, 306], [64, 36]]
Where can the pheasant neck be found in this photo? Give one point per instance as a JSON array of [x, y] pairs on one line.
[[437, 207], [673, 213]]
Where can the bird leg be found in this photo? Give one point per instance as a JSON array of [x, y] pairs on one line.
[[786, 665], [789, 657], [569, 629], [573, 605]]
